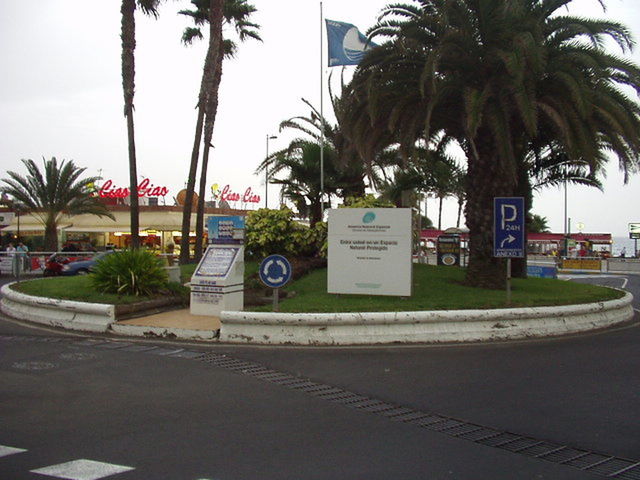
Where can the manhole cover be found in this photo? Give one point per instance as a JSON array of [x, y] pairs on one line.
[[34, 366]]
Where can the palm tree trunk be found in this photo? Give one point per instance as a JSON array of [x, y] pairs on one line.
[[440, 213], [315, 211], [460, 204], [485, 181], [215, 25], [51, 235], [128, 37], [210, 118]]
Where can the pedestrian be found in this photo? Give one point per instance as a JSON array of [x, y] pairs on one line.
[[22, 251], [11, 249]]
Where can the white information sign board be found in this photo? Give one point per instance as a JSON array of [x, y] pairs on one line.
[[370, 251]]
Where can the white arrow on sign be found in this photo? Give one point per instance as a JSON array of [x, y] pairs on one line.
[[509, 239], [266, 267], [282, 265]]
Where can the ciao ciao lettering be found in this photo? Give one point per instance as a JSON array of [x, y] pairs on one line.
[[230, 196], [145, 189]]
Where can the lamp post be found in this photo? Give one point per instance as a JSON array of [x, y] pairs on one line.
[[266, 172]]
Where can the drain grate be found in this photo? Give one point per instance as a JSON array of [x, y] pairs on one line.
[[593, 462]]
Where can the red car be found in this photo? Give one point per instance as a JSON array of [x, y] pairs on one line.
[[53, 265]]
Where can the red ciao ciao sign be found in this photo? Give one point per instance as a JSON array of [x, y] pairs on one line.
[[145, 189], [249, 197]]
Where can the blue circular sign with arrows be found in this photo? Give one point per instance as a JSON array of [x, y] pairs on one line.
[[275, 271]]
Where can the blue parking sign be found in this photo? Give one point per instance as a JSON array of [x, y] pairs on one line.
[[509, 225]]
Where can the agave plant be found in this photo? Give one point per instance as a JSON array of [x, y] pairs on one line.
[[130, 272]]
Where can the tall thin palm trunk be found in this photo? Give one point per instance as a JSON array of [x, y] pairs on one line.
[[206, 85], [460, 205], [210, 118], [128, 37]]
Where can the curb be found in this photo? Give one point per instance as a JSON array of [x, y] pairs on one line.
[[421, 327], [86, 317], [373, 328], [172, 333]]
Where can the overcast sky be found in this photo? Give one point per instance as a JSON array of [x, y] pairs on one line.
[[61, 95]]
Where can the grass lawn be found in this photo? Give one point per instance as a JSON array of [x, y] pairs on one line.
[[72, 288], [439, 288], [434, 288], [78, 287]]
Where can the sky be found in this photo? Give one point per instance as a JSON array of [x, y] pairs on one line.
[[61, 95]]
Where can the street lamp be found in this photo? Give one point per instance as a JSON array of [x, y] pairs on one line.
[[266, 172]]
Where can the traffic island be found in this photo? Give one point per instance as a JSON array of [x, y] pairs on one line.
[[421, 327]]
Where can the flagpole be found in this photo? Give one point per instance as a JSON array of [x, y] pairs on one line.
[[321, 119]]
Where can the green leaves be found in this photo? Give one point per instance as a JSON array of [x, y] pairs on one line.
[[59, 188], [275, 231], [130, 272]]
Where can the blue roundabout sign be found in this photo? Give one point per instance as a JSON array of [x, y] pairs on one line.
[[275, 271]]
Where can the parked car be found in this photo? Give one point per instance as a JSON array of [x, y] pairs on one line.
[[82, 267], [53, 265]]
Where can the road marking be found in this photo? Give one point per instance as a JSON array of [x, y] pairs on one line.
[[625, 280], [34, 366], [82, 470], [4, 450]]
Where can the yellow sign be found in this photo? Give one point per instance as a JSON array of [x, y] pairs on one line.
[[580, 264]]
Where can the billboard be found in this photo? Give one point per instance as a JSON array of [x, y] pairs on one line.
[[370, 251]]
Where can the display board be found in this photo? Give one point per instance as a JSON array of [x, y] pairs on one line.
[[226, 230], [216, 262], [370, 251], [449, 250], [217, 283]]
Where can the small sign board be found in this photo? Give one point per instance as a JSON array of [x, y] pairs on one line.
[[542, 272], [275, 271], [634, 235], [217, 262], [634, 227], [226, 230], [6, 218], [508, 231], [449, 250]]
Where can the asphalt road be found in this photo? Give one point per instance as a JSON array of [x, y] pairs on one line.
[[128, 409]]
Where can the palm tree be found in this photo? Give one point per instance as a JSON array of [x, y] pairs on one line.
[[234, 12], [56, 191], [128, 37], [346, 162], [206, 86], [301, 161], [497, 75], [538, 224]]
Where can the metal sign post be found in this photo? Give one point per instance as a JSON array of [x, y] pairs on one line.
[[508, 232], [275, 271]]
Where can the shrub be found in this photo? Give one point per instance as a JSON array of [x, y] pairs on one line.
[[312, 242], [368, 201], [130, 272], [269, 232]]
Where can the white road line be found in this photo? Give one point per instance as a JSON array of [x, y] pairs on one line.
[[4, 450], [82, 470]]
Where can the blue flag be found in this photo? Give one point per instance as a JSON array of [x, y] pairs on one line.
[[346, 44]]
